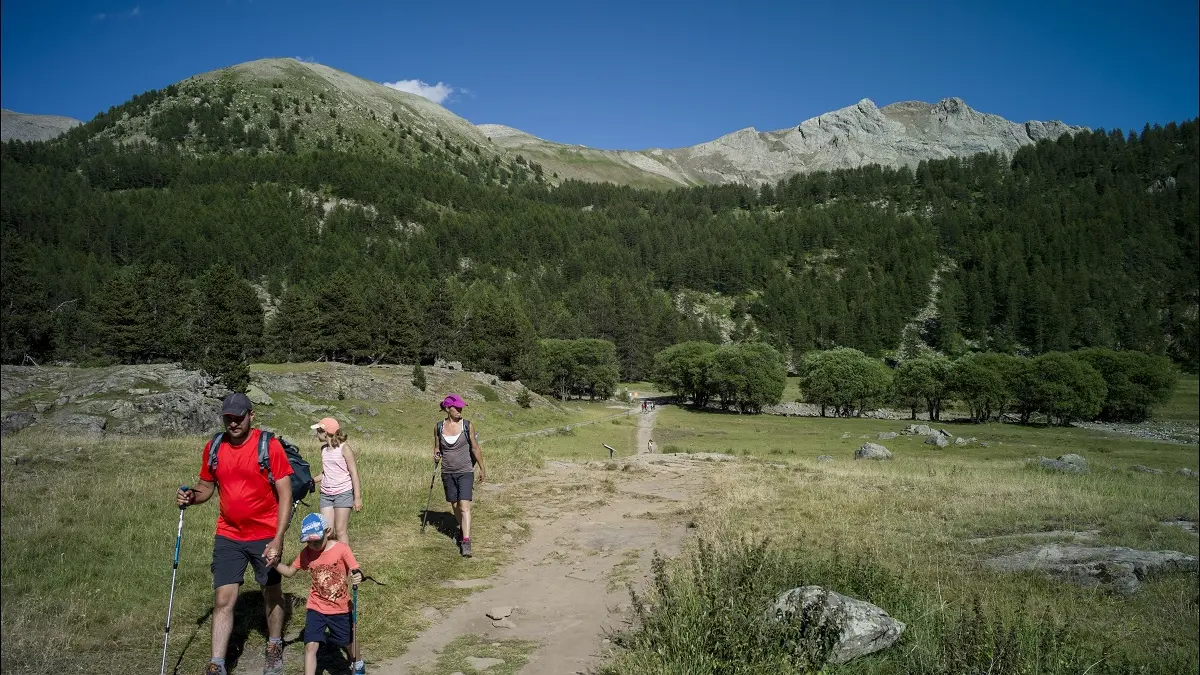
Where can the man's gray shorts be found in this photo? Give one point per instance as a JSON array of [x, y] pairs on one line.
[[342, 500], [231, 557]]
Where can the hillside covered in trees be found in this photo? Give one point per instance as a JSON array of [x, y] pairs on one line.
[[120, 252]]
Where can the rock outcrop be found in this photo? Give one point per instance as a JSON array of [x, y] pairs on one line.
[[1122, 569]]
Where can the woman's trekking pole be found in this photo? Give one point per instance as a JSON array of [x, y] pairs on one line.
[[174, 570], [429, 499]]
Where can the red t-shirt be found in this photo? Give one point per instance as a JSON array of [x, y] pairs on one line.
[[330, 570], [249, 508]]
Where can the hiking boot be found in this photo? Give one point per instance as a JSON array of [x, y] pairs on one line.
[[214, 669], [466, 548], [274, 661]]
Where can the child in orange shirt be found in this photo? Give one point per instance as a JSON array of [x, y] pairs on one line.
[[332, 565]]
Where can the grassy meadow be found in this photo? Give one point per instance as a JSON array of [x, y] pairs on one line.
[[909, 523], [89, 531], [89, 525]]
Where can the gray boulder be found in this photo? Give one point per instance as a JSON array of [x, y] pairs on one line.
[[1058, 465], [257, 396], [12, 422], [1144, 469], [963, 441], [945, 433], [1187, 473], [1122, 569], [938, 440], [917, 430], [862, 627], [872, 451], [1072, 458], [886, 435]]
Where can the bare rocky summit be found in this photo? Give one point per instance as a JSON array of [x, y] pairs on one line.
[[15, 126], [900, 134]]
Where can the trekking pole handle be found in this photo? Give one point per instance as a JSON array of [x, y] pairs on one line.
[[184, 488]]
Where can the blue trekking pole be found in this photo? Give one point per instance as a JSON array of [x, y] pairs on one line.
[[174, 570]]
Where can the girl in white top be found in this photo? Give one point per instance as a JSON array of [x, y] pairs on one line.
[[340, 487]]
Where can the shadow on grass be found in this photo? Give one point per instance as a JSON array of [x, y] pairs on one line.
[[250, 615], [442, 521]]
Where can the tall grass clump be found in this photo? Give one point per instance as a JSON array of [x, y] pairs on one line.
[[710, 612]]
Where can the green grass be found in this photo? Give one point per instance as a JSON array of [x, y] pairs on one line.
[[453, 658], [1184, 405], [89, 529], [912, 517]]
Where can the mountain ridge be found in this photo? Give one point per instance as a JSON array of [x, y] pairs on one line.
[[903, 133], [279, 105], [20, 126]]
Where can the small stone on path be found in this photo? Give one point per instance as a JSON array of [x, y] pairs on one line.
[[498, 613], [431, 613], [482, 663], [504, 623]]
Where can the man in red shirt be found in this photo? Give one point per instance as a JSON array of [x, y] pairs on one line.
[[254, 517]]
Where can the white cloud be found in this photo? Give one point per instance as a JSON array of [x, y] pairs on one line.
[[434, 92], [136, 10]]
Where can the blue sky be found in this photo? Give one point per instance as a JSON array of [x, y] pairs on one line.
[[635, 74]]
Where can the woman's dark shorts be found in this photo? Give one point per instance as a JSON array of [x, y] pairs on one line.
[[316, 623], [458, 486], [230, 558]]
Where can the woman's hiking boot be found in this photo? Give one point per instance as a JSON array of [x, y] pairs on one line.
[[214, 669], [466, 548], [274, 661]]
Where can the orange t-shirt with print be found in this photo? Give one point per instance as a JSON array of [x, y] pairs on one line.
[[330, 570]]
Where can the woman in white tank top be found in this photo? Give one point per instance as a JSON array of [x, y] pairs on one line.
[[341, 490]]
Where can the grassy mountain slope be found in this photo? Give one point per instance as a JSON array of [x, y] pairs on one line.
[[286, 105]]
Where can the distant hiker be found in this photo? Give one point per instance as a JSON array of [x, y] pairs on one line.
[[650, 445], [253, 518], [333, 569], [456, 446], [643, 406], [340, 487]]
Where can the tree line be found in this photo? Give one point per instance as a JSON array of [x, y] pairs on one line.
[[112, 253], [1123, 386]]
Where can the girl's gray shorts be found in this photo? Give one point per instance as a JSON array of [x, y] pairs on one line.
[[342, 500]]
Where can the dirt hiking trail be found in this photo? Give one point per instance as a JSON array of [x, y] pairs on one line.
[[593, 529]]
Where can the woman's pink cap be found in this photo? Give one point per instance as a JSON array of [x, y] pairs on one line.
[[454, 401]]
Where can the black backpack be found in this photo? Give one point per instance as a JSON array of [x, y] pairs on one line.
[[302, 480]]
